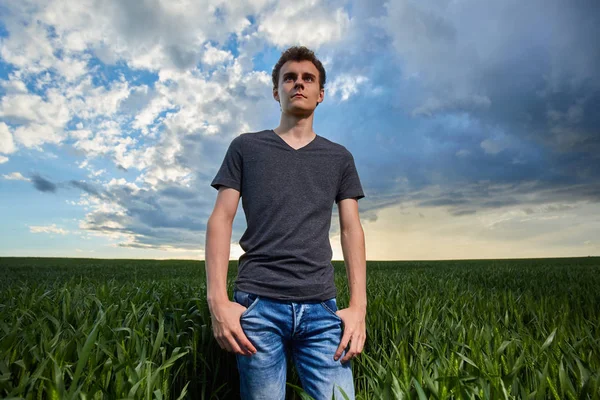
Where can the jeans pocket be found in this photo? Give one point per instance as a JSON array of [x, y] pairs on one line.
[[248, 300], [331, 306]]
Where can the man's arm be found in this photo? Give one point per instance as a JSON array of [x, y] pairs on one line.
[[353, 247], [218, 245], [225, 314]]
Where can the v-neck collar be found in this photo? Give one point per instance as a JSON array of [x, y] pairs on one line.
[[290, 147]]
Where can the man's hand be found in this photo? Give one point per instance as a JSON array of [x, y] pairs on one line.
[[225, 317], [354, 332]]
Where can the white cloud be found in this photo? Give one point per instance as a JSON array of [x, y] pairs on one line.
[[346, 85], [214, 56], [434, 105], [7, 145], [28, 47], [15, 176], [148, 115], [106, 139], [88, 101], [47, 229], [80, 134], [71, 68], [23, 108], [492, 146], [51, 39], [95, 173], [35, 135], [288, 24], [14, 84], [151, 35], [122, 182], [496, 142], [41, 120], [165, 37]]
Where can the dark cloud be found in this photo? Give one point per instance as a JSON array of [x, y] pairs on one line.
[[463, 212], [467, 104], [488, 195], [442, 202], [180, 193], [90, 189], [169, 216], [43, 185]]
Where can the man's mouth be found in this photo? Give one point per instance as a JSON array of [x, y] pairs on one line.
[[298, 95]]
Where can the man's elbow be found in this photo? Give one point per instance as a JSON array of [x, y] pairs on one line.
[[220, 218], [352, 229]]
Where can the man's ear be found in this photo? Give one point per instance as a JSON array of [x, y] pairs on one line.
[[276, 94]]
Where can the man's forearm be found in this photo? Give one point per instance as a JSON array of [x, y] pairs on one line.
[[353, 247], [218, 248]]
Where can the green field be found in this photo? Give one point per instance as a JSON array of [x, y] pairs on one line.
[[140, 329]]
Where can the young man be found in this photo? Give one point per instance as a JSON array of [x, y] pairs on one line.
[[284, 295]]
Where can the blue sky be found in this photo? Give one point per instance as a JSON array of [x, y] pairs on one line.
[[473, 125]]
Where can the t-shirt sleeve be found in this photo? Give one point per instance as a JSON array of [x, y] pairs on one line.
[[230, 172], [350, 186]]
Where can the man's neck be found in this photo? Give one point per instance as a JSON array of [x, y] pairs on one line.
[[298, 129]]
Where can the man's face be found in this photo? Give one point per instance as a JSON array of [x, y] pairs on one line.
[[298, 91]]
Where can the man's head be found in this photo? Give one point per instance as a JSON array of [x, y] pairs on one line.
[[298, 71]]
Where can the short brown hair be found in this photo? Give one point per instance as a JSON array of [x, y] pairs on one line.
[[298, 53]]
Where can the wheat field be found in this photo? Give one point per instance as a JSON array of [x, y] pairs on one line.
[[462, 329]]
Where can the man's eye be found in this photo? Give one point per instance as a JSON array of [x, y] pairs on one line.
[[309, 78]]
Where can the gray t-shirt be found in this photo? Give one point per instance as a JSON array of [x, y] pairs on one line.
[[288, 198]]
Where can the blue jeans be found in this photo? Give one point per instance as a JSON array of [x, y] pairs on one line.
[[308, 331]]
